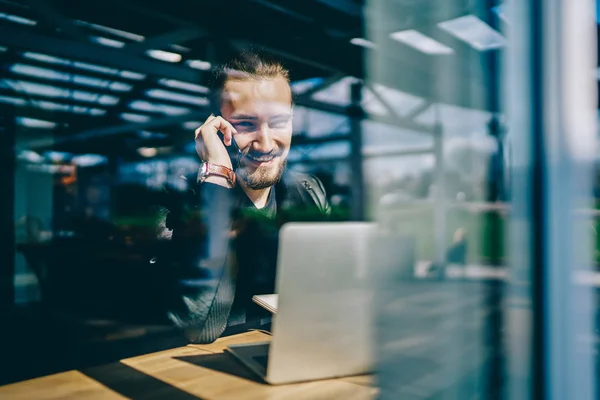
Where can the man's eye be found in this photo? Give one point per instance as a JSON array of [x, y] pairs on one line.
[[280, 123], [244, 124]]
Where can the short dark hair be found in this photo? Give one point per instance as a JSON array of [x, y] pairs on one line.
[[249, 64]]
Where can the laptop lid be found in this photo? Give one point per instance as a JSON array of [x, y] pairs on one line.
[[323, 327]]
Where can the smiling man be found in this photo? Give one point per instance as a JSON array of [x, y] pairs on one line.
[[245, 195]]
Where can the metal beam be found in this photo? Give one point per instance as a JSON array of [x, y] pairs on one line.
[[203, 113], [301, 140], [26, 40], [67, 85], [319, 161], [166, 39], [142, 8], [346, 6], [58, 116], [118, 129], [45, 12], [70, 68], [396, 152], [33, 98], [335, 109], [245, 44], [283, 10], [332, 80], [399, 120], [414, 113]]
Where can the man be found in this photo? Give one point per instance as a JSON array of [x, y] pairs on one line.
[[246, 194]]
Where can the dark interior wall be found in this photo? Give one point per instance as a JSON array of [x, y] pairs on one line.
[[7, 226]]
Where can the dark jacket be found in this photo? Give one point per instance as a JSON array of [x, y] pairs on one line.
[[200, 256]]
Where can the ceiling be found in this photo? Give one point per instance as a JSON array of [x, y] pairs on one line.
[[111, 75]]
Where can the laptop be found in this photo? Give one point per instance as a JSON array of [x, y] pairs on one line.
[[322, 326]]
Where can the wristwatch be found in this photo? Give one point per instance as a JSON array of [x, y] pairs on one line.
[[208, 169]]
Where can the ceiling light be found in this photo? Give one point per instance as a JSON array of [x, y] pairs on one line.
[[96, 111], [199, 64], [192, 125], [120, 87], [421, 42], [50, 105], [30, 156], [45, 58], [89, 160], [166, 56], [47, 73], [13, 100], [107, 42], [161, 108], [82, 65], [57, 156], [37, 88], [108, 100], [132, 75], [96, 68], [35, 123], [183, 85], [185, 98], [181, 49], [54, 91], [39, 72], [474, 31], [116, 32], [18, 19], [147, 151], [80, 95], [135, 117], [363, 43], [3, 48], [152, 135], [90, 81]]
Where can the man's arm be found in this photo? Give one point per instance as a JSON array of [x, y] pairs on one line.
[[197, 259], [199, 305]]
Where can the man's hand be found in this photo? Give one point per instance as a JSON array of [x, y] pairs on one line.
[[211, 148]]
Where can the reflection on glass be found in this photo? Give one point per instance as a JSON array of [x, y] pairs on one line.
[[469, 145]]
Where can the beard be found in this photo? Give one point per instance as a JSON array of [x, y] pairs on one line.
[[262, 177]]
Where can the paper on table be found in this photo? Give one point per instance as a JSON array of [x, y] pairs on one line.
[[266, 301]]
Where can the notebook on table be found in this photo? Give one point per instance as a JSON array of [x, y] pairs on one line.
[[266, 301]]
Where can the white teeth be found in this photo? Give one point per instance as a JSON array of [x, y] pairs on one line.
[[262, 159]]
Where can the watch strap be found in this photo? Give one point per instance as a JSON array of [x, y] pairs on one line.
[[209, 169]]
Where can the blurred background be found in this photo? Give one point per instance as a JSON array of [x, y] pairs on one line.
[[467, 127]]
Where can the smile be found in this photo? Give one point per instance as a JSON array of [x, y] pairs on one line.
[[262, 160]]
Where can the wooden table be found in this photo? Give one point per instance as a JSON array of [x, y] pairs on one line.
[[189, 372]]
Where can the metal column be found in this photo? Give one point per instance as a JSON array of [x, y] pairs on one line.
[[356, 113], [7, 218], [439, 212]]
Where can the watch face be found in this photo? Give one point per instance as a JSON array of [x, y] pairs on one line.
[[203, 172], [207, 170]]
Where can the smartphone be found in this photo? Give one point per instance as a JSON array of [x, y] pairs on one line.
[[234, 152]]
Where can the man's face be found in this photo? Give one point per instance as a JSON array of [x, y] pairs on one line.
[[261, 112]]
